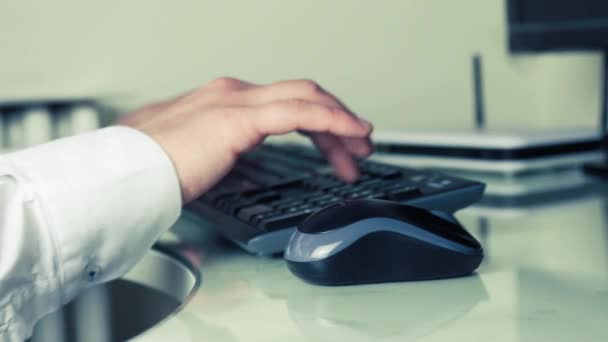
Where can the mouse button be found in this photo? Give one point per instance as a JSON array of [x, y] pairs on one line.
[[466, 237], [323, 220], [451, 231], [438, 225], [336, 216], [444, 215]]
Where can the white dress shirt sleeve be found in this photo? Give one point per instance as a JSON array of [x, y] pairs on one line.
[[77, 212]]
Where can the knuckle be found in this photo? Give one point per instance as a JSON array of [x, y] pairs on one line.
[[335, 113], [225, 82], [310, 87]]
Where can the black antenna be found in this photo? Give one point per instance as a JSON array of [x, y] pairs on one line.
[[604, 112], [478, 97]]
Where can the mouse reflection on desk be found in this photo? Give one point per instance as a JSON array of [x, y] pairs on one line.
[[374, 241], [390, 312]]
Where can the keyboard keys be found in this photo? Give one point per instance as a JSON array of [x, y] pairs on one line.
[[362, 178], [325, 203], [288, 183], [383, 171], [324, 199], [285, 220], [370, 183], [256, 175], [289, 204], [377, 195], [418, 178], [234, 206], [257, 219], [392, 174], [322, 183], [308, 154], [360, 194], [403, 193], [247, 213], [277, 187], [294, 163], [267, 197], [439, 182]]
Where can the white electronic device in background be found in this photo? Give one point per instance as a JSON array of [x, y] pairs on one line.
[[514, 163], [502, 153]]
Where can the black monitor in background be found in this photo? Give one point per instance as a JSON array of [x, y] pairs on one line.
[[564, 25], [557, 25]]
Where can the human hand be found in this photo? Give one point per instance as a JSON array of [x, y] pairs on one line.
[[204, 131]]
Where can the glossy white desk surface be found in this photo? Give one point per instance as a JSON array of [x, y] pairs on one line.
[[544, 278]]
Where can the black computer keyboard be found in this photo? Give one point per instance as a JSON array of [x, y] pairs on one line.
[[275, 187]]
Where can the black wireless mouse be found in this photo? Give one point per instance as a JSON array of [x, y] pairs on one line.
[[374, 241]]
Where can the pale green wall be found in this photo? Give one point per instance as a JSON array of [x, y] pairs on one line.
[[403, 63]]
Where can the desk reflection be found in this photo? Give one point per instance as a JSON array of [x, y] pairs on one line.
[[390, 312], [544, 278]]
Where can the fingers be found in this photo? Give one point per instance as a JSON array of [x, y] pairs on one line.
[[338, 155], [338, 133], [360, 147], [287, 116], [309, 91], [341, 152], [294, 89]]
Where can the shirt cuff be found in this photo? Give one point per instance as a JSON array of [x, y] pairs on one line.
[[108, 195]]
